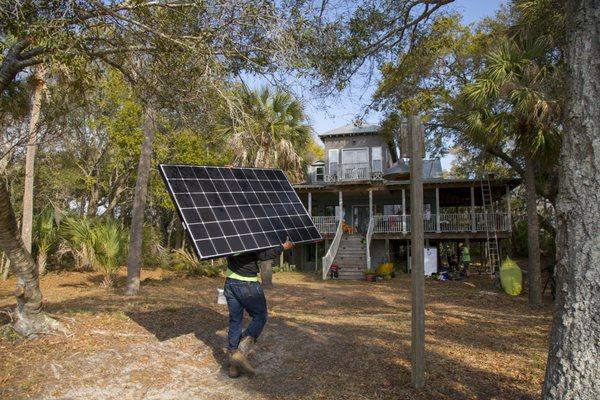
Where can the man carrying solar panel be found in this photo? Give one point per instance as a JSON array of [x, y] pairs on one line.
[[243, 292]]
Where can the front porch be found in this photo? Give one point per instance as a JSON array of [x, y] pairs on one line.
[[478, 222]]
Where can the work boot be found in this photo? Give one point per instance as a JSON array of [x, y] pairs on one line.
[[247, 345], [239, 360], [234, 369]]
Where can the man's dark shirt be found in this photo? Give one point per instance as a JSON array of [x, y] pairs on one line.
[[246, 264]]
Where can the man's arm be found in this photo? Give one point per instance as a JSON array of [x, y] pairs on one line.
[[270, 254]]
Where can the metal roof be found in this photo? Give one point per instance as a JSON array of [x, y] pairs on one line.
[[352, 129]]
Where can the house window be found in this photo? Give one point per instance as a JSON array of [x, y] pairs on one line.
[[333, 161], [331, 211], [319, 174], [392, 209], [377, 160], [355, 156]]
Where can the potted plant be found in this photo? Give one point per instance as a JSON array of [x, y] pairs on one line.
[[370, 275]]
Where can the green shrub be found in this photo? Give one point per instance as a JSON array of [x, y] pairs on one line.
[[110, 244], [45, 239], [184, 260], [79, 239], [99, 244]]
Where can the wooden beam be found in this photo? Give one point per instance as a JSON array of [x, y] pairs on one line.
[[403, 211], [417, 261], [508, 208], [473, 227], [437, 210]]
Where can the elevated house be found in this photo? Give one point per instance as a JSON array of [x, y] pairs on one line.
[[365, 219]]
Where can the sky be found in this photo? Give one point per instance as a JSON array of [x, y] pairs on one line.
[[342, 109]]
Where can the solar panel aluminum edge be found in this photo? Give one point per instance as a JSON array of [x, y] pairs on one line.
[[225, 211]]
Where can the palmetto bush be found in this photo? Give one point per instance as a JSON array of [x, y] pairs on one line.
[[184, 260], [79, 241], [46, 238], [110, 244], [99, 244]]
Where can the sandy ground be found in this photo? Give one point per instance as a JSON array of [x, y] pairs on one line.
[[324, 340]]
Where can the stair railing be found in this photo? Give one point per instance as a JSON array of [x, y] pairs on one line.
[[368, 240], [333, 248]]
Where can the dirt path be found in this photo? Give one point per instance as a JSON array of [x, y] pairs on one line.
[[324, 340]]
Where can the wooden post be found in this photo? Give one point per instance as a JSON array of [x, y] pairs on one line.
[[403, 211], [309, 204], [508, 208], [341, 205], [370, 222], [473, 228], [437, 210], [417, 260], [370, 204]]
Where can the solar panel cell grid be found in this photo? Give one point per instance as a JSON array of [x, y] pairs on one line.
[[229, 210]]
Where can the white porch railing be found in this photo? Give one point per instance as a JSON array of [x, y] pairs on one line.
[[354, 172], [368, 240], [456, 222], [326, 224], [333, 248], [464, 222]]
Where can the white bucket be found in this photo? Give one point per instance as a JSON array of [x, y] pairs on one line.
[[221, 297]]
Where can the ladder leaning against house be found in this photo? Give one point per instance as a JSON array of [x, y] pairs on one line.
[[492, 248]]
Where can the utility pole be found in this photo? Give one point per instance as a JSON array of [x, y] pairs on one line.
[[416, 138]]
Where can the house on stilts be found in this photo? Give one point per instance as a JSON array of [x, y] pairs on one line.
[[365, 218]]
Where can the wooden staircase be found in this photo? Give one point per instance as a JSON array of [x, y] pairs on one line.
[[351, 257]]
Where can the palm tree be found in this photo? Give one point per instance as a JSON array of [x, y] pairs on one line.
[[513, 102], [269, 129]]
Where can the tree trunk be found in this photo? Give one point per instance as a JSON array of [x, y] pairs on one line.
[[534, 274], [573, 370], [92, 206], [134, 258], [266, 273], [30, 318], [34, 117]]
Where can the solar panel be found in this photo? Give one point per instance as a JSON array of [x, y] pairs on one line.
[[233, 210]]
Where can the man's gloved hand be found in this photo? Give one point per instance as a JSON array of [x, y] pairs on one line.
[[288, 244]]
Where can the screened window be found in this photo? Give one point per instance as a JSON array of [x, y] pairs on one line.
[[377, 159], [392, 209], [319, 174], [333, 161], [355, 156]]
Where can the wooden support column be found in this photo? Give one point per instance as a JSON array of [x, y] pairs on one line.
[[370, 221], [309, 204], [370, 204], [473, 225], [437, 210], [341, 205], [415, 131], [508, 211], [403, 211]]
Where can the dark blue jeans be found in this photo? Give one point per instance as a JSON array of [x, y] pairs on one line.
[[242, 296]]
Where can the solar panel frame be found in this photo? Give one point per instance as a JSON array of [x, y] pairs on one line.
[[231, 210]]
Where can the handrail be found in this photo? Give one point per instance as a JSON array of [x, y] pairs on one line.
[[333, 248], [449, 222], [369, 236], [325, 224]]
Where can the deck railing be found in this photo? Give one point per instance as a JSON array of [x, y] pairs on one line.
[[448, 223], [326, 224], [353, 172]]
